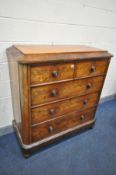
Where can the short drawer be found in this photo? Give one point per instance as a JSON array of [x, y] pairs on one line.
[[58, 125], [50, 73], [43, 94], [53, 110], [90, 68]]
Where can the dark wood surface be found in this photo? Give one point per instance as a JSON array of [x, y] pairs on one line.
[[60, 124], [51, 73], [56, 109], [25, 102], [55, 90], [90, 68]]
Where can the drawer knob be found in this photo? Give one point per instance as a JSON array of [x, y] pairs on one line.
[[52, 111], [50, 129], [92, 69], [85, 102], [54, 93], [82, 117], [55, 73], [89, 85]]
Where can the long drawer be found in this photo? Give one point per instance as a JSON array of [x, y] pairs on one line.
[[58, 125], [52, 92], [53, 110]]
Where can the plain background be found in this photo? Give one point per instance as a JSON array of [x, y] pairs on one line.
[[91, 22]]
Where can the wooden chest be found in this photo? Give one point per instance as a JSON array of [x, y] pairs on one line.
[[55, 91]]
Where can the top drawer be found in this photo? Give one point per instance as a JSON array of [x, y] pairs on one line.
[[90, 68], [52, 72], [65, 71]]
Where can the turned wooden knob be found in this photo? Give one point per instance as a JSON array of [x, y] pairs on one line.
[[54, 73], [82, 117], [52, 111], [54, 93], [92, 69], [85, 102], [50, 129], [89, 85]]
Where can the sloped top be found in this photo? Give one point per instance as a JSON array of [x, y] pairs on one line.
[[44, 49], [27, 54]]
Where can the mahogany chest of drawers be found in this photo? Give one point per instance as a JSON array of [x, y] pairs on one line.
[[55, 91]]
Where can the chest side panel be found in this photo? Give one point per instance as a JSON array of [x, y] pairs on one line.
[[15, 92]]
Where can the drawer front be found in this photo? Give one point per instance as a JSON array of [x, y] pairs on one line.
[[50, 111], [51, 73], [90, 68], [58, 125], [58, 91]]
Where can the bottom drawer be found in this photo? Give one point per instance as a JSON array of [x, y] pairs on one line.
[[60, 124]]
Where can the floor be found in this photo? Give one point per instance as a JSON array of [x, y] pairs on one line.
[[90, 153]]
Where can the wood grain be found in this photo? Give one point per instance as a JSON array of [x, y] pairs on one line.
[[40, 49], [53, 110], [46, 73], [90, 68], [60, 53], [44, 94], [24, 100], [62, 57], [60, 124], [55, 90]]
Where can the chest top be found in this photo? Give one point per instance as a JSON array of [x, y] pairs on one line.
[[48, 53]]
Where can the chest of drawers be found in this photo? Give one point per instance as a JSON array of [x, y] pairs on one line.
[[55, 91]]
